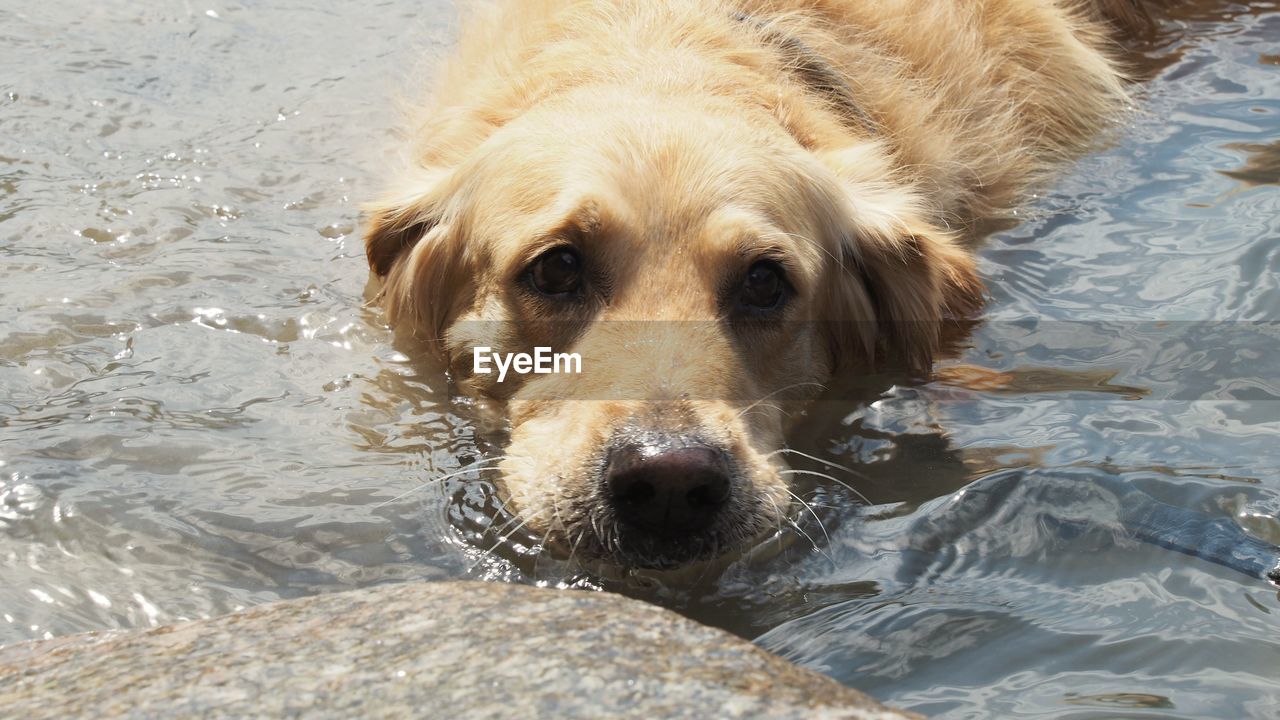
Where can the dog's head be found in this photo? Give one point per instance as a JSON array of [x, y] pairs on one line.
[[709, 271]]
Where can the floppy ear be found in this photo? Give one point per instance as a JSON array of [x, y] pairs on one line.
[[921, 285], [412, 245], [906, 283], [399, 220]]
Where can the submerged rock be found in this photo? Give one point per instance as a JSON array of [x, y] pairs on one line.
[[458, 650]]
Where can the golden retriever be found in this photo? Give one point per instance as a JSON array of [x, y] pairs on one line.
[[715, 205]]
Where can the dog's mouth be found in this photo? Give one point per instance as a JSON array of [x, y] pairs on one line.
[[627, 547], [598, 535]]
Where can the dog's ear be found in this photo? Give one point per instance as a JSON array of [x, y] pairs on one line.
[[921, 285], [403, 217], [413, 246], [902, 285]]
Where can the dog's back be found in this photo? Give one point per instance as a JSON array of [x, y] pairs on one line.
[[974, 99]]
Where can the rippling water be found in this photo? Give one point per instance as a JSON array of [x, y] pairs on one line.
[[198, 414]]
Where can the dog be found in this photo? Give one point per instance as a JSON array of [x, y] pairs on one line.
[[717, 206]]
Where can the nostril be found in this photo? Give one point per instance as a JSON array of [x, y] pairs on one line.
[[633, 490], [712, 493], [668, 492]]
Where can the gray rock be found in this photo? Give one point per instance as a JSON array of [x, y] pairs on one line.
[[456, 650]]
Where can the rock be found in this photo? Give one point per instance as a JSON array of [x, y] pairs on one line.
[[457, 650]]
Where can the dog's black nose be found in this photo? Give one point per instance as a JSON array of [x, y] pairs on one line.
[[670, 492]]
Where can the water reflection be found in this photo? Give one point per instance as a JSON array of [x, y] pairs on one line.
[[1262, 166], [1029, 570]]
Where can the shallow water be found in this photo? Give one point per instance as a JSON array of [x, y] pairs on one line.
[[198, 414]]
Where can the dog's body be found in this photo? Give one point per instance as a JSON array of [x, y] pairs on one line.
[[780, 190]]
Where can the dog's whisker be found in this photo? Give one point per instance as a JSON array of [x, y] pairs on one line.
[[815, 458], [808, 537], [832, 478], [502, 528], [501, 541], [474, 467], [778, 514], [486, 553], [783, 517], [821, 527], [514, 517], [501, 538], [502, 509], [541, 550], [582, 533], [792, 386], [593, 519], [546, 538], [762, 406]]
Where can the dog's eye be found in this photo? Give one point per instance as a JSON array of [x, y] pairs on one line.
[[557, 272], [764, 286]]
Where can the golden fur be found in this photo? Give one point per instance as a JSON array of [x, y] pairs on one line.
[[857, 143]]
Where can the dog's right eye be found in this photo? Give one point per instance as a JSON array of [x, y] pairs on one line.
[[764, 287], [557, 272]]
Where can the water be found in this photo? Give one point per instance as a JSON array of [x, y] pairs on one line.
[[197, 412]]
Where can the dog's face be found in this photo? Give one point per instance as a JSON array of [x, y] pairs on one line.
[[710, 271]]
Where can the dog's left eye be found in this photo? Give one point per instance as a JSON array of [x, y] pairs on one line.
[[557, 272], [764, 286]]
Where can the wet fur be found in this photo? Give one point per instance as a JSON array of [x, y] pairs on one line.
[[673, 142]]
